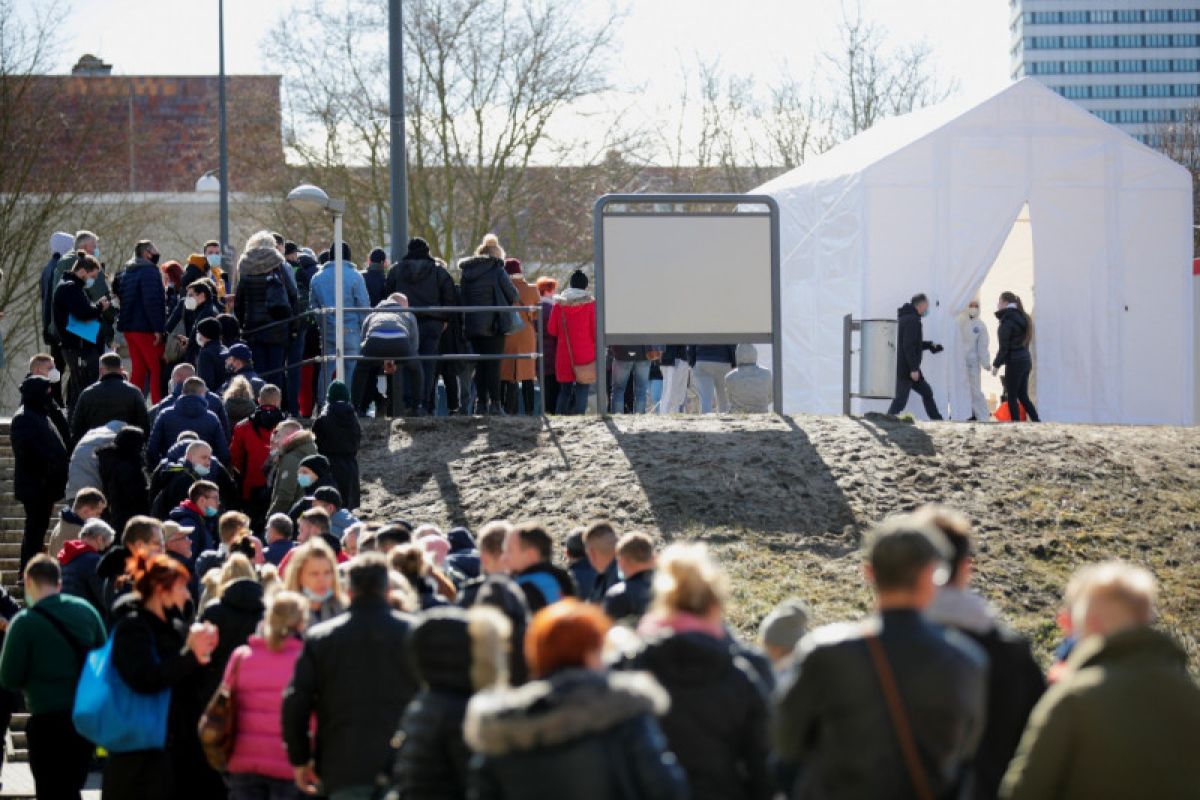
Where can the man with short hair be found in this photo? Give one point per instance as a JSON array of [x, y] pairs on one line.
[[862, 693], [110, 398], [600, 546], [143, 316], [79, 559], [189, 413], [375, 275], [179, 376], [43, 657], [199, 511], [329, 500], [910, 341], [231, 527], [354, 676], [527, 552], [89, 503], [172, 481], [495, 588], [279, 538], [239, 361], [630, 597], [78, 310], [392, 536], [1124, 721]]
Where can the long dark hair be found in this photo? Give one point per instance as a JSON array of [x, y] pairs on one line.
[[1010, 298]]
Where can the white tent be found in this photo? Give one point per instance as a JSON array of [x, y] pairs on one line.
[[926, 203]]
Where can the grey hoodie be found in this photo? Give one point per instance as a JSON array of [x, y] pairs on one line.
[[749, 386]]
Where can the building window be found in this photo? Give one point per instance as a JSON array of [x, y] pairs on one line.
[[1077, 67], [1129, 65], [1185, 40], [1129, 41], [1133, 90], [1075, 42], [1102, 16], [1100, 42], [1158, 65], [1158, 90], [1186, 65], [1158, 15], [1106, 115], [1104, 66], [1187, 90], [1185, 15], [1129, 16], [1104, 92]]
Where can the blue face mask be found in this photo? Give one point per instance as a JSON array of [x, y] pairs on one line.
[[201, 470], [214, 259], [318, 597], [211, 511], [305, 481], [89, 283]]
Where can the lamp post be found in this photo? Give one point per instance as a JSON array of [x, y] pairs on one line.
[[307, 197], [223, 144], [399, 159]]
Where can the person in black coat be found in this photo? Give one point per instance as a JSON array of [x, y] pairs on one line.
[[71, 301], [375, 276], [111, 397], [199, 304], [910, 342], [210, 354], [236, 615], [426, 284], [263, 273], [1012, 353], [338, 436], [485, 283], [122, 479], [40, 463], [528, 549]]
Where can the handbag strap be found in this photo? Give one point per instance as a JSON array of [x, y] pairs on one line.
[[567, 336], [80, 651], [899, 718]]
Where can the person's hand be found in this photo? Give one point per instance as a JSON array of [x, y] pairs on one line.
[[653, 355], [936, 348], [306, 778], [102, 303], [3, 624], [159, 339], [183, 340], [915, 375], [202, 640]]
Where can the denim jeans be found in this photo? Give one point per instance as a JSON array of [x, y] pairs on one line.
[[710, 385], [351, 346], [573, 397], [621, 371], [291, 384]]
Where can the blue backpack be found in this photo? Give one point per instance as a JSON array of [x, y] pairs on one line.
[[114, 716]]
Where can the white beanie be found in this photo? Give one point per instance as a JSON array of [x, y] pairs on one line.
[[61, 243]]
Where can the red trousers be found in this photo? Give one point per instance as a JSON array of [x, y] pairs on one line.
[[306, 396], [147, 362]]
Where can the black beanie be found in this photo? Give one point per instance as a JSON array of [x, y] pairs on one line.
[[578, 280], [210, 329], [418, 248], [378, 256]]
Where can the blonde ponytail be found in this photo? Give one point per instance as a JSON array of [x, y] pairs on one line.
[[688, 580]]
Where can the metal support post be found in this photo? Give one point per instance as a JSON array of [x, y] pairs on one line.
[[399, 165], [339, 305], [847, 345]]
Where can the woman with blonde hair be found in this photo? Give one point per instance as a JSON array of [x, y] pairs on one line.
[[485, 283], [717, 723], [239, 400], [257, 676], [236, 611], [312, 572], [411, 561]]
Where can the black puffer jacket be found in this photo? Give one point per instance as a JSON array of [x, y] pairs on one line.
[[121, 477], [484, 283], [502, 593], [717, 723], [338, 436], [111, 397], [250, 303], [1010, 338], [630, 598], [71, 300], [40, 455], [424, 283], [578, 735], [909, 339], [236, 615]]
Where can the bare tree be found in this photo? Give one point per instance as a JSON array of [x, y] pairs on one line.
[[1180, 140]]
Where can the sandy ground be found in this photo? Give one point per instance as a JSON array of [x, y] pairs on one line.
[[785, 501]]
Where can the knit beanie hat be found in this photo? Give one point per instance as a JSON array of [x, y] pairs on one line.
[[210, 329], [317, 463], [337, 391], [512, 266], [418, 248], [785, 625], [578, 280], [328, 494]]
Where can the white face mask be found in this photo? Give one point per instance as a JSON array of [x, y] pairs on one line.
[[200, 340], [189, 303], [973, 312], [54, 375]]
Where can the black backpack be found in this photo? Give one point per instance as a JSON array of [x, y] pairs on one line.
[[278, 305]]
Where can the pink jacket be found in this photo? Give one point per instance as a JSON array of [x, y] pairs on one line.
[[262, 675]]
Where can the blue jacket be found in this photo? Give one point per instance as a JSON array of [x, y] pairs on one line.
[[203, 538], [143, 299], [276, 550], [214, 405], [189, 413], [210, 365], [354, 294]]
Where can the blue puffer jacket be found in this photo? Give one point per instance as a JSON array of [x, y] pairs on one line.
[[143, 299], [189, 413]]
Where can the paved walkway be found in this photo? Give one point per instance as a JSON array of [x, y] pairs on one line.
[[18, 782]]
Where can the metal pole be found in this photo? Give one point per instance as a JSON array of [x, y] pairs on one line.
[[223, 146], [399, 158], [847, 344], [541, 319], [339, 304], [598, 280]]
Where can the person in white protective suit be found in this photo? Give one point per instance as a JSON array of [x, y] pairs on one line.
[[973, 345]]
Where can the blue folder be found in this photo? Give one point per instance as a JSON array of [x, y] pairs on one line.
[[88, 331]]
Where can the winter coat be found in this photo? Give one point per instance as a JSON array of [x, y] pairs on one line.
[[67, 528], [910, 339], [502, 593], [1124, 722], [171, 481], [285, 491], [38, 660], [71, 300], [714, 353], [391, 321], [374, 278], [39, 454], [79, 561], [338, 437], [1015, 681], [584, 575], [236, 615], [189, 413], [251, 447], [464, 555], [48, 281], [573, 320], [210, 364], [256, 383], [111, 397], [189, 320], [831, 720], [143, 299], [630, 598], [1010, 338], [543, 584], [250, 300], [355, 675], [122, 479], [577, 735], [276, 551], [604, 581], [322, 294], [215, 405], [524, 341], [749, 386], [485, 283], [549, 341], [425, 283], [258, 677], [84, 469], [717, 723], [204, 537], [239, 409]]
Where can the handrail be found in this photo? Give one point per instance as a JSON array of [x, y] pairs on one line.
[[324, 311]]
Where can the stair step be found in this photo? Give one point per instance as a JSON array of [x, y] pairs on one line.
[[19, 721], [20, 740]]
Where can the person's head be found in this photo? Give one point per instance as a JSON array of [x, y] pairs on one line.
[[61, 243], [574, 546], [783, 628], [312, 571], [199, 455], [957, 529], [110, 364], [1010, 299], [578, 280], [159, 581], [512, 266], [350, 538], [391, 536], [525, 545], [398, 298], [921, 303], [906, 562], [291, 252], [89, 503], [490, 246], [239, 389], [208, 330], [97, 534], [172, 275], [635, 554], [1114, 597], [411, 561], [205, 496], [286, 617], [378, 257], [236, 568], [600, 545], [178, 539], [311, 469], [546, 286], [145, 249], [195, 387], [43, 364], [284, 430], [338, 391], [368, 576], [973, 308], [88, 242], [328, 499], [238, 357], [199, 293], [231, 329], [270, 395], [86, 268], [491, 547], [233, 526], [436, 547], [312, 525], [143, 534], [279, 527], [568, 634], [280, 242], [43, 577], [688, 581], [213, 248]]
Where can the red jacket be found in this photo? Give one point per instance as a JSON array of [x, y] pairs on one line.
[[573, 318], [248, 452]]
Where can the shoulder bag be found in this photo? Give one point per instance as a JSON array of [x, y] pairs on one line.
[[899, 717], [110, 714], [584, 373], [507, 322], [218, 723]]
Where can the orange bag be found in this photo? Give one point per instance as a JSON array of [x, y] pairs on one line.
[[1002, 413]]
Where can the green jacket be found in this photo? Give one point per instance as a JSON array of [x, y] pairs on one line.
[[1124, 723], [38, 661], [286, 491]]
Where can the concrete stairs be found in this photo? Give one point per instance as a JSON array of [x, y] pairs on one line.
[[12, 525]]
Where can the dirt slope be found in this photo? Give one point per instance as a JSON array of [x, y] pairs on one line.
[[784, 501]]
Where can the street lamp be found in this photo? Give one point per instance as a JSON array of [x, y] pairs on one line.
[[309, 198]]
